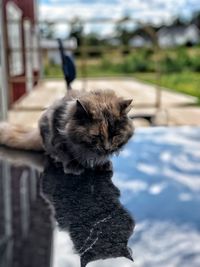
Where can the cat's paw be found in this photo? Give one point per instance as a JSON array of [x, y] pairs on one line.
[[107, 167]]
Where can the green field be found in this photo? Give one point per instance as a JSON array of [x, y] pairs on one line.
[[180, 68], [185, 82]]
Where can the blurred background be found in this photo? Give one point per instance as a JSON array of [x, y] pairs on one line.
[[145, 51]]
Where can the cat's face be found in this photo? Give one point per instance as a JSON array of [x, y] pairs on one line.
[[100, 123]]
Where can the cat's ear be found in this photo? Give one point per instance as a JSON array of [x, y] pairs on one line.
[[125, 105], [127, 253], [83, 261], [81, 109]]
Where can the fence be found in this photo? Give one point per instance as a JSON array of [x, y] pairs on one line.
[[151, 59]]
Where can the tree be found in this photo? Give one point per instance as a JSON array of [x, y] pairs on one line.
[[124, 35], [47, 30], [196, 19], [76, 31]]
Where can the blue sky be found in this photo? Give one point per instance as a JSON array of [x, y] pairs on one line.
[[153, 11]]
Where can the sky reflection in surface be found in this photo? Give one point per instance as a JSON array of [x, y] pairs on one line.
[[158, 174]]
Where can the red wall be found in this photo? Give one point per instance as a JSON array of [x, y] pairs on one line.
[[27, 6], [17, 89]]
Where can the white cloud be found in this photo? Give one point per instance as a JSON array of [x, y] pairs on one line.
[[126, 153], [185, 197], [82, 11], [147, 168], [164, 244], [135, 186], [156, 189], [155, 11]]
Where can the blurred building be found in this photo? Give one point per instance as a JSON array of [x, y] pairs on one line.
[[178, 35], [21, 42], [50, 50], [141, 41]]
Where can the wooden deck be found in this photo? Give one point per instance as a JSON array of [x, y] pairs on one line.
[[176, 109]]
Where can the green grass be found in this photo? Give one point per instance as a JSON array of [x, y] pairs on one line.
[[184, 82], [180, 68], [53, 71], [187, 82]]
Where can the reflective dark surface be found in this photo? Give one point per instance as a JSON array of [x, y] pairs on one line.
[[87, 207], [64, 220], [25, 223]]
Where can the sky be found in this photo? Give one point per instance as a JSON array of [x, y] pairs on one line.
[[146, 11]]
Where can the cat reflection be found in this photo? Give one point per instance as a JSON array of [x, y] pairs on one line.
[[88, 207]]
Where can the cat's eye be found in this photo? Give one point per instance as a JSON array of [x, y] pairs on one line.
[[98, 136]]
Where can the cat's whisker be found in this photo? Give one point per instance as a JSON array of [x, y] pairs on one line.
[[79, 157]]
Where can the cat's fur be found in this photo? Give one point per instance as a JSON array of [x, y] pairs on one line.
[[81, 130]]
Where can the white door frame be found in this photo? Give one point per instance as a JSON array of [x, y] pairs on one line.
[[3, 69], [28, 55]]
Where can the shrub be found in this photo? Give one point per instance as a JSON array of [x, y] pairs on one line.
[[170, 64], [138, 62], [195, 63]]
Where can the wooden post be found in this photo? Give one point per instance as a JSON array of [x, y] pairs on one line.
[[156, 48], [84, 59], [158, 76], [3, 68]]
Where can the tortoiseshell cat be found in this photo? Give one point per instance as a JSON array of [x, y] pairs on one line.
[[82, 130]]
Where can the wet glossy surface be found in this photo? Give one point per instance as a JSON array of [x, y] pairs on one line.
[[58, 218], [87, 208]]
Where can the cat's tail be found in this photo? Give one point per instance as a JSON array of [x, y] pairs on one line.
[[20, 137]]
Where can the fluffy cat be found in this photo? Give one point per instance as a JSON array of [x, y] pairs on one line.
[[81, 130]]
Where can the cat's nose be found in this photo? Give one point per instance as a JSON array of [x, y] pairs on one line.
[[107, 147]]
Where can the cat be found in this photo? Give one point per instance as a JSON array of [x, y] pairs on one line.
[[88, 208], [81, 130]]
